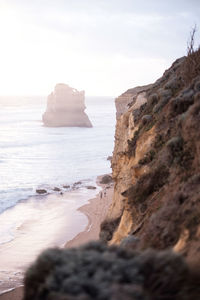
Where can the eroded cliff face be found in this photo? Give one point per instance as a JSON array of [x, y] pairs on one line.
[[156, 167], [124, 101]]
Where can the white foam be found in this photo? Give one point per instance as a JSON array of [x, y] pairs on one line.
[[32, 155]]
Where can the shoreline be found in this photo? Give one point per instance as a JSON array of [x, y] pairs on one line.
[[95, 211]]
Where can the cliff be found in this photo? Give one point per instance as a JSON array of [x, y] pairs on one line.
[[156, 165], [65, 107], [123, 102]]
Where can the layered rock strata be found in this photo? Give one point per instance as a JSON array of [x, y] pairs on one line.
[[156, 167], [66, 107]]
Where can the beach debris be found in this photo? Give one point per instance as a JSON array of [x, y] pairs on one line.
[[78, 183], [106, 179], [66, 186], [109, 158], [91, 187], [41, 191], [56, 189]]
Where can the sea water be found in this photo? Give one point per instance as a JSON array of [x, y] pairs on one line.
[[33, 156]]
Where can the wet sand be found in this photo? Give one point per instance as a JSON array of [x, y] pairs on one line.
[[37, 224], [95, 210], [16, 294]]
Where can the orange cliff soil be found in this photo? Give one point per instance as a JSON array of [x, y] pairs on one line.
[[156, 166]]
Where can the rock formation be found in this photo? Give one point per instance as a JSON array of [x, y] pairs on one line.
[[65, 107], [156, 166]]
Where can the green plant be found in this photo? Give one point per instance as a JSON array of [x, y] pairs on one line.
[[108, 227]]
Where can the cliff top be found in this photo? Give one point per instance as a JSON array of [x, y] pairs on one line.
[[62, 88]]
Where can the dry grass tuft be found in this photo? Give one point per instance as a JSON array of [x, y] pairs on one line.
[[191, 66]]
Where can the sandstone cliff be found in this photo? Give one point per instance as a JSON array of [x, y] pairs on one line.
[[65, 107], [123, 102], [156, 166]]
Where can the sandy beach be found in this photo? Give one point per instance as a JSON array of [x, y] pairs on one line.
[[95, 210]]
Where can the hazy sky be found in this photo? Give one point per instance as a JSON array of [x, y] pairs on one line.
[[101, 46]]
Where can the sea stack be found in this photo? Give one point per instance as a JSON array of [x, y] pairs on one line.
[[66, 108]]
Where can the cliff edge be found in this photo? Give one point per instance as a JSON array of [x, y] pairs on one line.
[[65, 107], [156, 165]]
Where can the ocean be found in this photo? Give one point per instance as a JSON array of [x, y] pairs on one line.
[[33, 156]]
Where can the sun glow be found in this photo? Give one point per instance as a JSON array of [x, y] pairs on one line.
[[103, 52], [34, 56]]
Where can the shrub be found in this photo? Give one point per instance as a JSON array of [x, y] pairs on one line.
[[132, 144], [108, 227], [149, 156], [146, 185], [95, 271], [191, 65], [106, 179]]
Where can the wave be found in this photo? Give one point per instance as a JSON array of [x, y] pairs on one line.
[[11, 197]]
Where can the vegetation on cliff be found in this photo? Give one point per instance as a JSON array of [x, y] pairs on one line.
[[156, 163]]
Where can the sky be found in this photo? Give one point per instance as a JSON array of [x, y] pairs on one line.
[[101, 46]]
